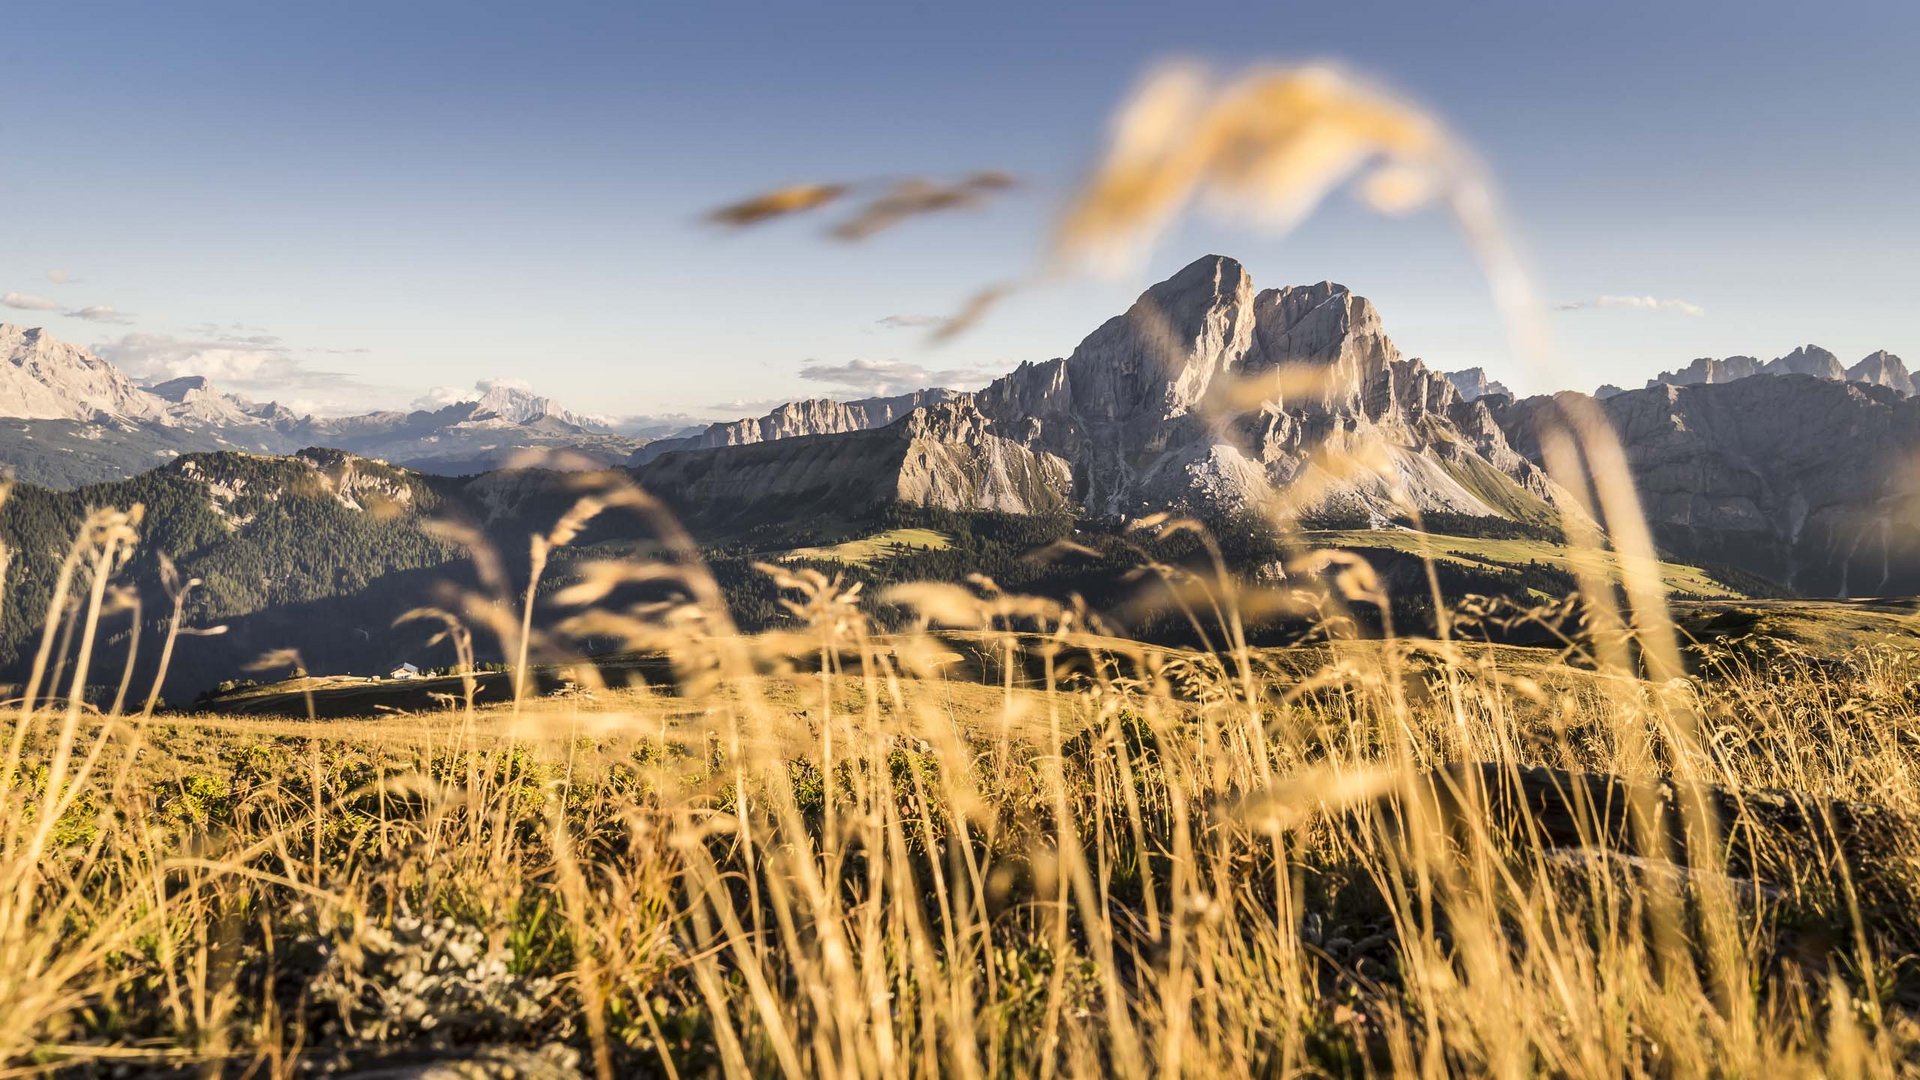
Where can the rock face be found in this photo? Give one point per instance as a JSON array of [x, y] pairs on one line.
[[1209, 396], [1706, 369], [1473, 383], [1808, 360], [797, 418], [74, 419], [945, 455], [1880, 368], [1206, 395], [1805, 480], [43, 378]]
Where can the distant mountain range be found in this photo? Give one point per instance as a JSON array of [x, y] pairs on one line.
[[1880, 368], [1207, 397], [1212, 398], [1151, 412], [68, 418]]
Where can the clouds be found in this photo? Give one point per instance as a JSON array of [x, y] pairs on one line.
[[257, 365], [880, 378], [61, 277], [24, 302], [1637, 303], [442, 396], [100, 313], [910, 322]]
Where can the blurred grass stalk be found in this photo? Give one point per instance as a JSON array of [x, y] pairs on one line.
[[1133, 864]]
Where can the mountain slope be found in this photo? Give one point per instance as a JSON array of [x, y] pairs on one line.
[[1880, 368], [816, 416], [69, 418], [43, 378], [944, 456], [1805, 480], [1205, 396]]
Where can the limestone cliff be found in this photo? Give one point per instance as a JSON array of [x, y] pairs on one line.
[[797, 418], [1803, 479], [943, 455]]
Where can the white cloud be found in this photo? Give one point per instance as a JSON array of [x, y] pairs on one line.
[[880, 378], [911, 322], [256, 365], [442, 396], [102, 313], [1637, 303], [655, 426], [61, 277], [24, 302], [742, 407]]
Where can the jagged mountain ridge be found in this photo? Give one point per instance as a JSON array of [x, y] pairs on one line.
[[1805, 480], [813, 416], [1147, 415], [67, 418], [1472, 383], [1879, 368], [945, 455], [44, 378]]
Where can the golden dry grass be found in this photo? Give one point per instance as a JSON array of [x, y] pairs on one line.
[[826, 855]]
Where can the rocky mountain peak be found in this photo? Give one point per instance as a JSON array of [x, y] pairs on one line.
[[1882, 368], [44, 378], [178, 390], [1156, 361], [1707, 369], [1473, 384], [1808, 360], [515, 404]]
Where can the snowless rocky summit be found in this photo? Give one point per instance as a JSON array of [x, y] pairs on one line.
[[816, 416], [1205, 395], [945, 455], [44, 378], [1802, 479], [1880, 368], [1473, 384], [82, 420]]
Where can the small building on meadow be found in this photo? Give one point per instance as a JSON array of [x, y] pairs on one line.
[[404, 671]]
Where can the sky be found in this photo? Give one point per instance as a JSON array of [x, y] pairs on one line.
[[349, 206]]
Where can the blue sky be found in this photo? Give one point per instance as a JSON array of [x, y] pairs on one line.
[[351, 205]]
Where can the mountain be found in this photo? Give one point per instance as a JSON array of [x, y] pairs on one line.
[[946, 456], [69, 418], [1473, 383], [1881, 368], [507, 404], [1707, 369], [817, 416], [1160, 408], [43, 378], [1803, 479], [1808, 360]]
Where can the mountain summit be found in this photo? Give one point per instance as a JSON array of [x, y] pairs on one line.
[[44, 378], [1205, 395], [82, 420]]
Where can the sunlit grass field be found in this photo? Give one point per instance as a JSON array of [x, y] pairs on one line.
[[1000, 840], [1015, 850], [1487, 551]]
